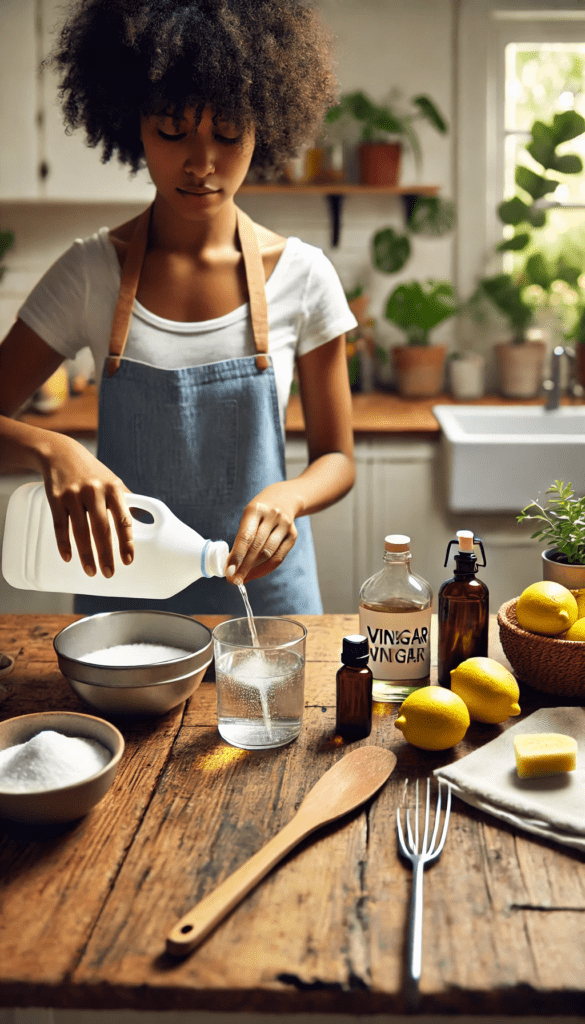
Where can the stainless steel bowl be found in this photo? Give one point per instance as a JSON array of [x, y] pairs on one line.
[[134, 690]]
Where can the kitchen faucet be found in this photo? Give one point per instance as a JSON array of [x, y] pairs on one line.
[[553, 386]]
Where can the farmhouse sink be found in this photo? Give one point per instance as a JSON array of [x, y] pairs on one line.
[[500, 458]]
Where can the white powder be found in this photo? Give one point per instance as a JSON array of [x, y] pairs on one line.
[[134, 654], [50, 760]]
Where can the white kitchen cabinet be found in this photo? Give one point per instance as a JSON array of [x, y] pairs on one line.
[[18, 101], [74, 171], [393, 493], [39, 160]]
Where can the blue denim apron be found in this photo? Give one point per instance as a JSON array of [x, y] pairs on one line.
[[205, 440]]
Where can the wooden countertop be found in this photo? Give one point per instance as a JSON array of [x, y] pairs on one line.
[[86, 908], [378, 412]]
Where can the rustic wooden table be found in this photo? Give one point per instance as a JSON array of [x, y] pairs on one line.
[[85, 908]]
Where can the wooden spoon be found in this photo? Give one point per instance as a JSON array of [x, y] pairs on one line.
[[346, 785]]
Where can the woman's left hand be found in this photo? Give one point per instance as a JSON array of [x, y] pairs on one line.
[[266, 533]]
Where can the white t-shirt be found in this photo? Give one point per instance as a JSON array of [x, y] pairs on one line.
[[72, 307]]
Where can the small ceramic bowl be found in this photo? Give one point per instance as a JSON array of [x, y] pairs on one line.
[[134, 690], [65, 803]]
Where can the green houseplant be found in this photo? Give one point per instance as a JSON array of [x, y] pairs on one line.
[[383, 129], [562, 527], [417, 308], [520, 364]]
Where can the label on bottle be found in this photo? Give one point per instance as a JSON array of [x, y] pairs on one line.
[[400, 643]]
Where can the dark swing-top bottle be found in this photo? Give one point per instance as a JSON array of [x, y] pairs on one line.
[[463, 609]]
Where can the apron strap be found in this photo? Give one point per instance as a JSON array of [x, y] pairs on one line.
[[131, 275], [128, 286], [256, 287]]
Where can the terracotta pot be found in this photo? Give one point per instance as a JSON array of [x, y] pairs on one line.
[[570, 576], [359, 307], [520, 368], [419, 370], [379, 163]]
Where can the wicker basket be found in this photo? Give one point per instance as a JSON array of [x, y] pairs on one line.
[[543, 662]]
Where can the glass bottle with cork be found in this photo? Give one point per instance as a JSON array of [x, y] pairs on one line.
[[463, 609], [395, 616]]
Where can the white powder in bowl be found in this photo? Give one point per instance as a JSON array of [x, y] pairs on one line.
[[50, 760], [134, 654]]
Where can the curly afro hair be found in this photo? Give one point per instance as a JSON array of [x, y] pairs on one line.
[[261, 63]]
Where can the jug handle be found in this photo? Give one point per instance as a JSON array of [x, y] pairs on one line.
[[156, 508]]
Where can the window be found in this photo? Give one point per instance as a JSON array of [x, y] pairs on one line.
[[541, 81], [516, 62]]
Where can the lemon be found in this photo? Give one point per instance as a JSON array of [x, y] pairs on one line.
[[547, 608], [488, 690], [579, 596], [433, 718], [577, 631]]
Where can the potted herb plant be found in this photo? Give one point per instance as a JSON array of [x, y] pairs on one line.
[[521, 361], [384, 129], [562, 527], [417, 308]]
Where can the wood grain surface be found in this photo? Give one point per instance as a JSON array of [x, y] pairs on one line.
[[85, 909]]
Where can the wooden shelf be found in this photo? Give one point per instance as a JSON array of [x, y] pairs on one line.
[[335, 193], [340, 188]]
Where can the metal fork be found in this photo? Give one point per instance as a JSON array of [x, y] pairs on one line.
[[429, 853]]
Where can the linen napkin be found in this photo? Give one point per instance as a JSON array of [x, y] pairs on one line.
[[552, 807]]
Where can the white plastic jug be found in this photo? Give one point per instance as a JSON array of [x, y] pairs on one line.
[[168, 554]]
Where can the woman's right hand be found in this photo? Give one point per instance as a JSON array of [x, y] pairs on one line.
[[81, 490]]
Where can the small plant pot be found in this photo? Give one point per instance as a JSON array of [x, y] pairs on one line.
[[380, 163], [520, 368], [359, 307], [559, 571], [466, 376], [419, 370]]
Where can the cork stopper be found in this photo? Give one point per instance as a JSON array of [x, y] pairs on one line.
[[397, 542], [465, 538]]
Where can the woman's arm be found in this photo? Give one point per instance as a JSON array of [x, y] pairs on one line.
[[267, 530], [80, 489]]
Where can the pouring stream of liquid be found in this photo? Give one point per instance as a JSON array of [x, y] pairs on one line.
[[262, 687]]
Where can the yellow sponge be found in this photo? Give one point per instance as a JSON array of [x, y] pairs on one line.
[[545, 753]]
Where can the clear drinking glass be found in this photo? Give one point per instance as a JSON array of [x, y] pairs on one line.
[[260, 689]]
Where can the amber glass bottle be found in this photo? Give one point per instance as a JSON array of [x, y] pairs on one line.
[[463, 610], [354, 690]]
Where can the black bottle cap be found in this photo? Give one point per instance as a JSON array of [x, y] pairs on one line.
[[355, 650]]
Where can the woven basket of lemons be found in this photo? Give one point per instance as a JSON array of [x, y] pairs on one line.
[[546, 663]]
